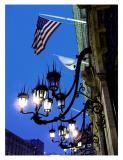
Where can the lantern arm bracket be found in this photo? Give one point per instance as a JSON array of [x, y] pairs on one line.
[[56, 141], [37, 119], [92, 100], [26, 112], [82, 93], [40, 121], [64, 146], [37, 109], [98, 108], [60, 141], [80, 58], [44, 115], [86, 106]]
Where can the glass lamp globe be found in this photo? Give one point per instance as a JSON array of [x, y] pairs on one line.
[[47, 105], [52, 134], [66, 134], [36, 98], [60, 98], [79, 144], [39, 93], [72, 125], [61, 129], [75, 133], [65, 150], [22, 100], [74, 149]]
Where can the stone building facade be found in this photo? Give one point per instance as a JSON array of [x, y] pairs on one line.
[[15, 145], [101, 76]]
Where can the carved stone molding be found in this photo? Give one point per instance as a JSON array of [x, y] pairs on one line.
[[101, 76]]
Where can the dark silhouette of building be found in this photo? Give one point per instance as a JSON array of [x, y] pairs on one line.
[[15, 145], [38, 145]]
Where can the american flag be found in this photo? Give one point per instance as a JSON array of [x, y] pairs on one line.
[[43, 31]]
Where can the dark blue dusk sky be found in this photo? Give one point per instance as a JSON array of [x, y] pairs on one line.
[[24, 68]]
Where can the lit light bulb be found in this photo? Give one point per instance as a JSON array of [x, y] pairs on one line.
[[66, 136], [22, 102], [65, 150], [52, 134], [75, 149], [22, 99], [79, 144], [47, 105], [75, 132], [36, 98], [71, 127], [66, 133], [43, 94]]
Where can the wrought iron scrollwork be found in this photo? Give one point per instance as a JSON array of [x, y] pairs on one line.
[[97, 107], [92, 104]]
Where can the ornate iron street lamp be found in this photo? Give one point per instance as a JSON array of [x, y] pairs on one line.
[[22, 100], [44, 96], [52, 134]]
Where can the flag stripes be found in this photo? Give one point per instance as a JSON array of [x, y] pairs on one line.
[[43, 31]]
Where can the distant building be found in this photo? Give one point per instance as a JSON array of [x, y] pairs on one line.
[[15, 145], [38, 145]]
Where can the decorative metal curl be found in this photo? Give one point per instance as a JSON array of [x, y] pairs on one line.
[[97, 108], [93, 103]]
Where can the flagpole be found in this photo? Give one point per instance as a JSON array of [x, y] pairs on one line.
[[68, 19]]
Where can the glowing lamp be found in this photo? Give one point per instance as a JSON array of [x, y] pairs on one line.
[[75, 149], [60, 98], [66, 134], [75, 132], [79, 144], [22, 99], [65, 150], [62, 130], [52, 134], [39, 93], [47, 105], [72, 124]]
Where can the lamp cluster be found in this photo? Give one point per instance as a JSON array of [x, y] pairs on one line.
[[44, 94], [74, 141], [64, 131], [40, 94], [68, 136]]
